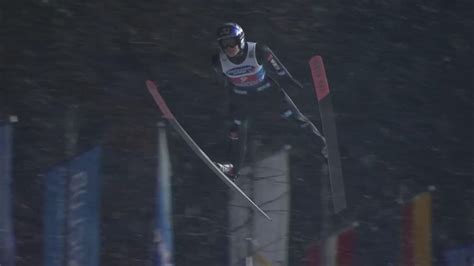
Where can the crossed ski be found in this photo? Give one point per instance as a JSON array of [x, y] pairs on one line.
[[153, 89], [327, 117]]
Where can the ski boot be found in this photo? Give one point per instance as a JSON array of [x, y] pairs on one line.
[[228, 170], [324, 152]]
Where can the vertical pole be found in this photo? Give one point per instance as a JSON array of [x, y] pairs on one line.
[[71, 136], [251, 193]]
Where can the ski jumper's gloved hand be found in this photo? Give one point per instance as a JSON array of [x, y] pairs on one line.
[[233, 133]]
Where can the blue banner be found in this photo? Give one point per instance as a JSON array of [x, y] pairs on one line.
[[463, 256], [71, 216], [164, 226], [54, 216], [7, 240]]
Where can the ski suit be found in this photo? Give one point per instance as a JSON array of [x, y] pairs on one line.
[[253, 79]]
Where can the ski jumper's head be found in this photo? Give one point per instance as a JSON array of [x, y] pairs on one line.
[[231, 39]]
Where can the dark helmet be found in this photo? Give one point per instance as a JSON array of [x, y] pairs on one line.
[[230, 34]]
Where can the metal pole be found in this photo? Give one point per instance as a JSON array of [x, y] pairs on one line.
[[71, 135]]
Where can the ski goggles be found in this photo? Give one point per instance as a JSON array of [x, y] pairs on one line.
[[229, 42]]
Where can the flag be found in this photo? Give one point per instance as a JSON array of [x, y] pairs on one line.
[[164, 225], [336, 250], [416, 232], [54, 217], [261, 260], [71, 212], [267, 182], [313, 255], [7, 240], [463, 256]]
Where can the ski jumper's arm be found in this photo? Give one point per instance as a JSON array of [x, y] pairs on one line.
[[216, 66], [274, 68], [223, 81]]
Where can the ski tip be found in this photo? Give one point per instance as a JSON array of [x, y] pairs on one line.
[[315, 58], [153, 89], [318, 73], [150, 84]]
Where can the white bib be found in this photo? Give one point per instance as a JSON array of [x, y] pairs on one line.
[[246, 74]]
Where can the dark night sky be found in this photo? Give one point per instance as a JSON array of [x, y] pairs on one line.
[[400, 71]]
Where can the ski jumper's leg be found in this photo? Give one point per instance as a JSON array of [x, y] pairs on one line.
[[237, 134], [291, 112]]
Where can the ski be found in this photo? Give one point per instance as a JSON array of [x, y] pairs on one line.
[[168, 115], [277, 64], [321, 87]]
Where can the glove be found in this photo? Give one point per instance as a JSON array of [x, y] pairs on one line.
[[233, 133]]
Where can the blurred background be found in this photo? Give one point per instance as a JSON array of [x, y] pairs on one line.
[[72, 85]]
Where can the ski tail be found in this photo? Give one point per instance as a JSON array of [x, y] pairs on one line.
[[153, 89]]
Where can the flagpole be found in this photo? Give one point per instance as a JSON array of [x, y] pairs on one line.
[[70, 136]]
